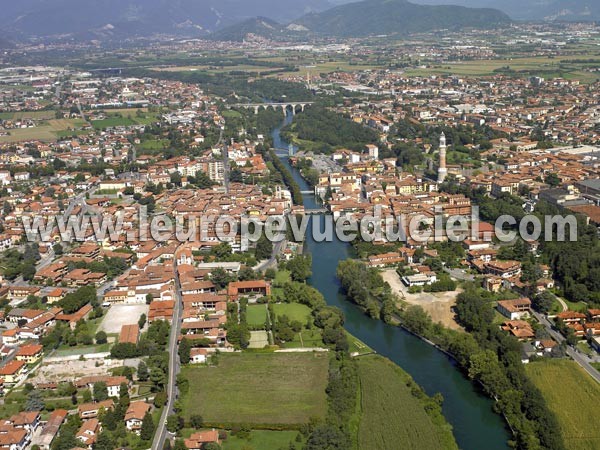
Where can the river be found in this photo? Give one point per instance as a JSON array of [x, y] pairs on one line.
[[470, 413]]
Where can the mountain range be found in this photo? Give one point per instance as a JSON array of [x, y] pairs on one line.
[[121, 19], [124, 18], [569, 10]]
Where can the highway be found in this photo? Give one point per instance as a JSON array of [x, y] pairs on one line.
[[174, 365]]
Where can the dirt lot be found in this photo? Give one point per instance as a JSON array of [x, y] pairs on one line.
[[68, 370], [438, 305], [119, 315]]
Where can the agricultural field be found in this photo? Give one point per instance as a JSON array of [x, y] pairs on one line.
[[549, 67], [270, 388], [391, 416], [47, 129], [573, 396]]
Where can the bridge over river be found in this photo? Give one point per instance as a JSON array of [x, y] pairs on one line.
[[283, 105]]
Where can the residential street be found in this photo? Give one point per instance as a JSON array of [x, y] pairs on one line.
[[174, 367]]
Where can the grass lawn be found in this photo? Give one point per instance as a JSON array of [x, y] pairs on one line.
[[391, 416], [282, 277], [295, 311], [357, 346], [65, 350], [306, 338], [573, 396], [259, 388], [256, 315], [262, 440]]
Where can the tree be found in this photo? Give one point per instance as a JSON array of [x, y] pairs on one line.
[[179, 445], [184, 351], [160, 399], [100, 391], [58, 249], [104, 442], [35, 402], [142, 321], [147, 430], [142, 371], [300, 267], [196, 421], [174, 423], [149, 299], [264, 248], [220, 277], [101, 337]]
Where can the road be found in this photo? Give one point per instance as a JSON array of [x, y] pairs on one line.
[[269, 262], [580, 359], [174, 365]]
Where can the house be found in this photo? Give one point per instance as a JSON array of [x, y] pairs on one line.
[[134, 416], [514, 309], [197, 440], [72, 319], [91, 410], [14, 439], [28, 421], [13, 372], [198, 355], [259, 288], [50, 430], [56, 295], [113, 384], [504, 269], [519, 328], [29, 353], [570, 317], [88, 433]]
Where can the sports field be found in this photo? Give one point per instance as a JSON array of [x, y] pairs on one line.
[[573, 396], [259, 388], [391, 417]]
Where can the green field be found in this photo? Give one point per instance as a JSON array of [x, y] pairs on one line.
[[259, 388], [261, 440], [256, 315], [573, 396], [392, 418], [295, 311]]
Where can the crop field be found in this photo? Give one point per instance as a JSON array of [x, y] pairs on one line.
[[259, 388], [573, 396], [38, 115], [391, 416], [41, 133]]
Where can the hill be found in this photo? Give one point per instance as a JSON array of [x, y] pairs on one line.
[[125, 18], [258, 26], [375, 17]]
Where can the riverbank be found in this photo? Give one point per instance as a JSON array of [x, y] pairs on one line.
[[395, 412]]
